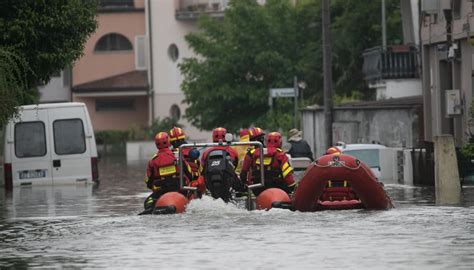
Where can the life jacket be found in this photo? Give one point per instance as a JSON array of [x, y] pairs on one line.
[[271, 166], [194, 164], [165, 171]]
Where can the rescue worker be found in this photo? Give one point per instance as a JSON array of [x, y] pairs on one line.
[[242, 149], [277, 171], [333, 150], [218, 135], [162, 174], [178, 138], [256, 134]]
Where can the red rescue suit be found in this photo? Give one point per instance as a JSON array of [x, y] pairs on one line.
[[162, 173], [277, 171], [194, 164]]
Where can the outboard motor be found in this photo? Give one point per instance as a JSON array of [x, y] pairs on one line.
[[219, 174]]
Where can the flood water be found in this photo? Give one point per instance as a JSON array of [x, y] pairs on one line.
[[85, 227]]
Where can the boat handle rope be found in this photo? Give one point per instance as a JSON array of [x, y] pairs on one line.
[[340, 165]]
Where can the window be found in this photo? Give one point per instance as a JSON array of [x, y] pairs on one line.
[[30, 139], [456, 9], [115, 3], [369, 157], [175, 112], [113, 42], [173, 52], [115, 105], [140, 53], [69, 137]]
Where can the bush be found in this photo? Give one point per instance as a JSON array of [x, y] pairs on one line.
[[111, 136], [467, 151]]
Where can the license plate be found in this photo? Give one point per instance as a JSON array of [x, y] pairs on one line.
[[167, 170], [32, 174]]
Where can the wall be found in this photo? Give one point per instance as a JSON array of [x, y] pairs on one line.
[[399, 88], [94, 66], [55, 90], [394, 127], [117, 120]]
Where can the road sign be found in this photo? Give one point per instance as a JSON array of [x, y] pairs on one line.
[[282, 92]]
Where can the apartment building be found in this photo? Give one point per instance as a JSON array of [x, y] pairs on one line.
[[111, 77], [168, 22], [447, 60]]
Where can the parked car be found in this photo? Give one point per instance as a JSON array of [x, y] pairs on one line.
[[49, 144]]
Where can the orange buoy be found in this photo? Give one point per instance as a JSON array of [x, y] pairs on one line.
[[266, 199], [175, 199]]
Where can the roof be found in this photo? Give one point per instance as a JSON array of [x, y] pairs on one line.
[[403, 102], [136, 80], [51, 105]]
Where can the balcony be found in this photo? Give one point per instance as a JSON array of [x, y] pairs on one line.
[[395, 62], [192, 9]]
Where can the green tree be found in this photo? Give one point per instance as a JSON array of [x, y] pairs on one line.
[[159, 125], [12, 84], [255, 48], [44, 37]]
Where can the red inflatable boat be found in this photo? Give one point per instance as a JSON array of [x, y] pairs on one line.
[[337, 182], [170, 203]]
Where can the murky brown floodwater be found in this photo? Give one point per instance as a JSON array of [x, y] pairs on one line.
[[85, 227]]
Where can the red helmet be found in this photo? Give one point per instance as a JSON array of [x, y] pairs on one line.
[[244, 135], [256, 133], [333, 150], [273, 140], [162, 140], [218, 134], [177, 133]]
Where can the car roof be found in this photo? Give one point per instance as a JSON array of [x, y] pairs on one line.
[[360, 146], [51, 105]]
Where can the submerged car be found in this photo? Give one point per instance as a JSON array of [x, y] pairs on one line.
[[367, 153]]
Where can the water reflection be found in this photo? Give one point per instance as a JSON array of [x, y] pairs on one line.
[[49, 202], [87, 227]]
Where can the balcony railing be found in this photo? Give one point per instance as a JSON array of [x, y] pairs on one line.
[[393, 62], [192, 9]]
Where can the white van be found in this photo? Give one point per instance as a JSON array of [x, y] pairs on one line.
[[49, 144]]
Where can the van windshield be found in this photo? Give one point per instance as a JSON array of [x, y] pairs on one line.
[[369, 156], [69, 137], [30, 139]]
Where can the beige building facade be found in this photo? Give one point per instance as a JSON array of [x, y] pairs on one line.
[[111, 77]]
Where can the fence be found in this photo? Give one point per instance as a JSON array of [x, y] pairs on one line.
[[423, 165]]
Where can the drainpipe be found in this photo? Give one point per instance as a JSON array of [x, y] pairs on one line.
[[151, 92]]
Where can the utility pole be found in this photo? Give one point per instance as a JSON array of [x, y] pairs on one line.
[[327, 71], [384, 27]]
